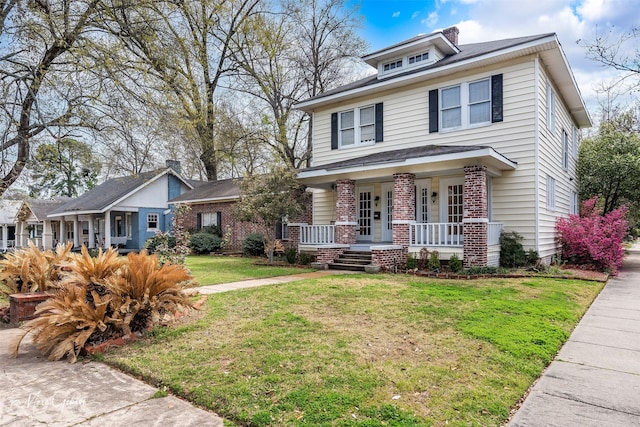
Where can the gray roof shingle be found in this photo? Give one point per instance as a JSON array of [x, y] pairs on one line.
[[221, 189]]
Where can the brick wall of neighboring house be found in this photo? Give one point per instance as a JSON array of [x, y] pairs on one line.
[[239, 230], [475, 219]]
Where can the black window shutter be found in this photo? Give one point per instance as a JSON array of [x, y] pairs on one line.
[[219, 220], [496, 98], [433, 110], [379, 137], [198, 221], [334, 131], [279, 230]]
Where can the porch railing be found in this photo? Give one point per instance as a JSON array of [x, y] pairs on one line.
[[448, 234], [436, 234], [493, 233], [317, 234]]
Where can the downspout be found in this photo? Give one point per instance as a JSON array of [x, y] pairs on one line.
[[536, 152]]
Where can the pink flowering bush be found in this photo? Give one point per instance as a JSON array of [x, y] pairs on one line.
[[593, 238]]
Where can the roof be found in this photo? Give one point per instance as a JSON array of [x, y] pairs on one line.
[[102, 197], [9, 210], [472, 56], [41, 208], [415, 158], [221, 190]]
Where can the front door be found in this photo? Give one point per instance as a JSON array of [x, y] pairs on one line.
[[365, 214], [452, 191], [387, 213]]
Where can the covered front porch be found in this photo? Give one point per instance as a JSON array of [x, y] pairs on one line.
[[391, 210]]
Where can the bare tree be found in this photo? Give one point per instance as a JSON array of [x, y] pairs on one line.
[[39, 72], [183, 48]]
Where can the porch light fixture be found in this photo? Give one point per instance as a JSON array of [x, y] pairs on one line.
[[377, 200], [434, 196]]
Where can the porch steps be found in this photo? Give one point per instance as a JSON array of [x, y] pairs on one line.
[[352, 261]]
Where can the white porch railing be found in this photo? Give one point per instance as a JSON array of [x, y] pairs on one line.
[[436, 234], [447, 234], [317, 234], [493, 233]]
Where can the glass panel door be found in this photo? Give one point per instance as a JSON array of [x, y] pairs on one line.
[[365, 215], [387, 213]]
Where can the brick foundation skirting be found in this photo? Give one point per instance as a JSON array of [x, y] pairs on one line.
[[389, 259]]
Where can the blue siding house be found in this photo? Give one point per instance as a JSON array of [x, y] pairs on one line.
[[121, 212]]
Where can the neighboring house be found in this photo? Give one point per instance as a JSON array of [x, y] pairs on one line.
[[122, 212], [443, 148], [39, 228], [11, 224], [212, 205]]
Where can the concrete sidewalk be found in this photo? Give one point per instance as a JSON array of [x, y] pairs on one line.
[[595, 379], [36, 391]]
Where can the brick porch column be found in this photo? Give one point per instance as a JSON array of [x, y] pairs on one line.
[[404, 209], [346, 221], [475, 219]]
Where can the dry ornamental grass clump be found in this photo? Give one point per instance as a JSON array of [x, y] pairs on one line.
[[103, 298]]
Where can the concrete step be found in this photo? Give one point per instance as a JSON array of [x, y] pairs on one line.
[[349, 267], [354, 261]]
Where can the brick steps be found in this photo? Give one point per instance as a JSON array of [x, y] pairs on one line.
[[351, 261]]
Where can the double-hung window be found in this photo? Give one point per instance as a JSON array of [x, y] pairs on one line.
[[551, 108], [551, 193], [357, 126], [565, 149], [152, 221], [466, 104]]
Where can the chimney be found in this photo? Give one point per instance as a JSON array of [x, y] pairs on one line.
[[451, 33], [173, 164]]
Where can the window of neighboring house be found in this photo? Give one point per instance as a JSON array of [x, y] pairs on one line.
[[573, 208], [37, 230], [152, 221], [565, 149], [551, 108], [551, 193], [119, 226], [418, 58], [282, 229], [477, 98], [392, 65], [357, 126], [209, 219]]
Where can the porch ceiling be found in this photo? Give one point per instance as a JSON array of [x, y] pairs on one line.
[[423, 161]]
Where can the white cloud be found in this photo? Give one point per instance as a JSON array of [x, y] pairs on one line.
[[431, 20], [396, 14], [414, 15]]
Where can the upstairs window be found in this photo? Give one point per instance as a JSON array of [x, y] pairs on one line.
[[565, 149], [467, 104], [359, 126], [476, 98], [418, 58], [551, 108], [551, 193], [392, 65], [574, 142]]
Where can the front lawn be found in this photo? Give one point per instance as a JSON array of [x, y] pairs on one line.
[[362, 350], [213, 270]]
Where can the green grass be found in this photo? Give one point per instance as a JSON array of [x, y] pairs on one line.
[[213, 270], [365, 350]]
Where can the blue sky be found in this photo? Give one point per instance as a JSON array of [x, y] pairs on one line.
[[386, 22]]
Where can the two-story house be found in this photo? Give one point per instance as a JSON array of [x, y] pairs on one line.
[[444, 147]]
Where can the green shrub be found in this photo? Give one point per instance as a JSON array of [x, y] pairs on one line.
[[532, 257], [512, 253], [423, 259], [158, 239], [455, 263], [434, 261], [305, 259], [212, 229], [291, 254], [253, 245], [204, 243], [412, 261]]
